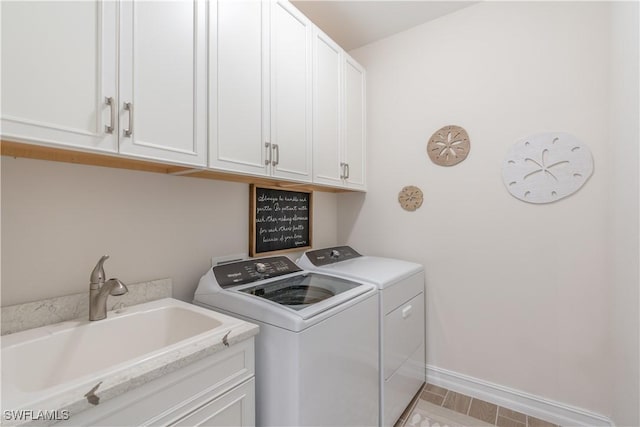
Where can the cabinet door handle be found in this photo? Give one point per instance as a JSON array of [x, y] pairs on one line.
[[267, 157], [128, 106], [406, 312], [112, 106], [346, 171], [342, 171], [277, 150]]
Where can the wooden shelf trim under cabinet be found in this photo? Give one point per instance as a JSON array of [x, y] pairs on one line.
[[39, 152]]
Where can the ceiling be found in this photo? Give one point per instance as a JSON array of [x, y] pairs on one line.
[[353, 24]]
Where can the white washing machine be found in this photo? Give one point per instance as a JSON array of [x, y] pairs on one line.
[[317, 350], [401, 316]]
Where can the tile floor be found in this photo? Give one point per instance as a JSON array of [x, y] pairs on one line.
[[486, 412]]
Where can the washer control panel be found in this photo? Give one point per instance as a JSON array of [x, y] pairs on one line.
[[327, 256], [241, 272]]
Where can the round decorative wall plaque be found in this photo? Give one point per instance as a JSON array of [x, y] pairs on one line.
[[448, 146], [546, 167], [410, 198]]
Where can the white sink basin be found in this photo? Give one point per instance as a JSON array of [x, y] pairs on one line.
[[87, 347], [43, 363]]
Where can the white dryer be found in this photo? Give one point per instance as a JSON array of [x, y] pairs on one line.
[[401, 319], [316, 353]]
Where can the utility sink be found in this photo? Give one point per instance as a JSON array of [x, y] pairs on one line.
[[54, 360]]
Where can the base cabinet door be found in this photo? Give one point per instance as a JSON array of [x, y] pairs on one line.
[[216, 390], [235, 408], [59, 73], [163, 86]]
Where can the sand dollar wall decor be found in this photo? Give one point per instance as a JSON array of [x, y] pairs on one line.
[[410, 198], [448, 146], [546, 167]]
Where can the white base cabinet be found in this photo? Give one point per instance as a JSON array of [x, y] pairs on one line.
[[234, 408], [218, 390]]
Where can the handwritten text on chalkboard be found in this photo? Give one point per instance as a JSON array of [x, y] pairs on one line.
[[282, 220]]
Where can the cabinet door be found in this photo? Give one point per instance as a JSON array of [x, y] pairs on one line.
[[355, 124], [163, 88], [239, 86], [58, 65], [327, 110], [290, 92], [234, 408]]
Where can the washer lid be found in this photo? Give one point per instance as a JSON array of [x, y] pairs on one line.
[[239, 300], [382, 272], [306, 293]]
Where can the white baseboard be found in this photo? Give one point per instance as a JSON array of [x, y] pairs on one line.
[[536, 406]]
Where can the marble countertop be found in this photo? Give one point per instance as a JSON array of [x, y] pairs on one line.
[[30, 315], [82, 393]]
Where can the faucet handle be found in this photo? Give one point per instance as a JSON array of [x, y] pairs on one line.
[[98, 275], [117, 287]]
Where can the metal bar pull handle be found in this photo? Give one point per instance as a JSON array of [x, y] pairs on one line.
[[348, 171], [267, 157], [112, 109], [406, 312], [343, 171], [129, 107], [277, 150]]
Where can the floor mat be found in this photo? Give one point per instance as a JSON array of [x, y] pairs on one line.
[[426, 414]]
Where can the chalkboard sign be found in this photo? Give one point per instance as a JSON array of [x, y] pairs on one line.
[[280, 220]]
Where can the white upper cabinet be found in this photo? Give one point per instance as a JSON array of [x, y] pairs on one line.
[[60, 76], [260, 89], [338, 116], [291, 105], [239, 86], [58, 68], [355, 159], [327, 110], [163, 80], [244, 86]]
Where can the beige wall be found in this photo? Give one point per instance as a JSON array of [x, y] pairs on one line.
[[57, 219], [517, 293], [624, 195]]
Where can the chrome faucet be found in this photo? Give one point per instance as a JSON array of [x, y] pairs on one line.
[[99, 291]]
